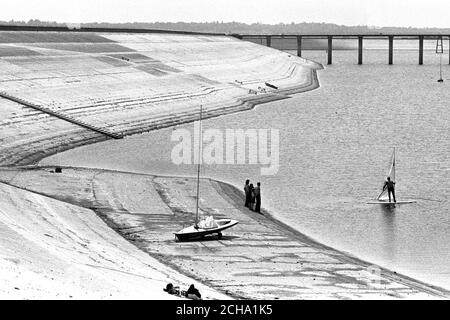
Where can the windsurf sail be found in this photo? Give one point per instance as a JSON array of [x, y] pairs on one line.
[[383, 196]]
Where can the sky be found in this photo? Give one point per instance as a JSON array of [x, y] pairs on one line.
[[402, 13]]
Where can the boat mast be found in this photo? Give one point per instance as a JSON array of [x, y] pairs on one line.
[[393, 166], [198, 165]]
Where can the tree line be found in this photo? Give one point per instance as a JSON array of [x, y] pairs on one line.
[[240, 28]]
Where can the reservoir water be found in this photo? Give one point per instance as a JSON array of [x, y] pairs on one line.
[[335, 147]]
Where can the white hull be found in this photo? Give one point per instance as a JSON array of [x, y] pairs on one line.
[[191, 232]]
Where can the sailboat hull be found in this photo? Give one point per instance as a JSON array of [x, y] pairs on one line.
[[192, 233]]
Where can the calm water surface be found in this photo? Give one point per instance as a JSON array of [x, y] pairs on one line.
[[335, 146]]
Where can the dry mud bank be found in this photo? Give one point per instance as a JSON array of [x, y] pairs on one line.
[[260, 258]]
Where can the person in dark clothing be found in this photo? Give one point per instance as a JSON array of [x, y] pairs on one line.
[[252, 196], [257, 193], [390, 185], [171, 289], [193, 293], [247, 193]]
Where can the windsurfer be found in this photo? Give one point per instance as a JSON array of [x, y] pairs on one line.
[[390, 185]]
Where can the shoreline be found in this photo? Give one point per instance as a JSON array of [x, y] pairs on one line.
[[241, 104], [268, 226], [251, 104], [352, 258], [136, 213], [230, 192]]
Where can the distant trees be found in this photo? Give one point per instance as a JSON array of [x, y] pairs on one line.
[[239, 27], [33, 22]]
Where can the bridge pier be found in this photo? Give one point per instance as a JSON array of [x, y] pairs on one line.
[[299, 46], [420, 50], [360, 50], [260, 38], [330, 49], [268, 41], [391, 49]]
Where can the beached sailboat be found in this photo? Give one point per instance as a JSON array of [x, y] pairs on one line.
[[383, 197], [209, 225]]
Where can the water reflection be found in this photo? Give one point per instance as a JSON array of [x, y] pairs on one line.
[[389, 227], [388, 209]]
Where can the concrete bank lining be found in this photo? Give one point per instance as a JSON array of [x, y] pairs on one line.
[[60, 116], [99, 93]]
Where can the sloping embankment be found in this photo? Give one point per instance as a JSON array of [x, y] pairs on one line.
[[65, 89], [51, 249], [125, 84], [260, 258], [121, 84]]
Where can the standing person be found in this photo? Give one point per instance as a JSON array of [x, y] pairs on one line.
[[390, 185], [247, 193], [257, 192], [252, 196]]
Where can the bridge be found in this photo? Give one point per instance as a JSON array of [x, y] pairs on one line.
[[267, 39]]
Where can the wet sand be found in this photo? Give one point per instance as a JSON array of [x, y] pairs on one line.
[[260, 258]]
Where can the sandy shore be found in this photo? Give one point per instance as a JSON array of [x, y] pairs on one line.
[[260, 258]]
